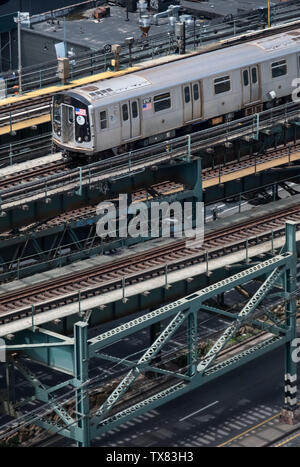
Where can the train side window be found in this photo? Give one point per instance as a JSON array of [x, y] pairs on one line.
[[222, 84], [134, 108], [246, 77], [125, 112], [254, 75], [103, 120], [187, 94], [196, 91], [162, 102], [279, 68]]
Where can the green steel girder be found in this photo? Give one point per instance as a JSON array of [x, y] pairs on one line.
[[248, 309], [42, 249], [41, 392], [182, 388], [47, 347], [190, 303], [134, 373], [224, 313], [192, 344], [85, 428], [188, 173], [131, 364]]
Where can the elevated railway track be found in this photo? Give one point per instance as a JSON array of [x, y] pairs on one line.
[[22, 188], [137, 268]]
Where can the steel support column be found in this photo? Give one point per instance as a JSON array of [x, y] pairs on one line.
[[81, 362], [192, 343], [290, 412]]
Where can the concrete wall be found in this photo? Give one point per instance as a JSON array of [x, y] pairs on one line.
[[37, 48]]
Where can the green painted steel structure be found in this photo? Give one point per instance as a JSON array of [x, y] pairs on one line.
[[71, 355], [7, 22]]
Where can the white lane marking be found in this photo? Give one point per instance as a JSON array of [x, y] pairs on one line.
[[197, 411]]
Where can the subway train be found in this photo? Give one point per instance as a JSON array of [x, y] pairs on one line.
[[140, 108]]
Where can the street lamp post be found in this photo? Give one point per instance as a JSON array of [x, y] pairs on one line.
[[19, 53], [21, 18]]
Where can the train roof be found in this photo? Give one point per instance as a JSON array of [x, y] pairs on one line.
[[191, 69]]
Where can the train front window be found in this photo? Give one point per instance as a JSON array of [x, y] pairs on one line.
[[71, 115], [57, 113], [279, 68]]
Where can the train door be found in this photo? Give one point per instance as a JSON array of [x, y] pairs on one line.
[[130, 119], [191, 101], [255, 96], [197, 110], [250, 84], [125, 117], [68, 122], [135, 118], [187, 103]]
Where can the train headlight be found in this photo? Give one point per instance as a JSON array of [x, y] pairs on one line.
[[79, 139], [58, 132], [86, 138]]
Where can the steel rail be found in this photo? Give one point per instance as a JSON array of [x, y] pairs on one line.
[[139, 267], [117, 166]]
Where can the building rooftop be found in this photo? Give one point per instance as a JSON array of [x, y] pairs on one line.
[[216, 8], [84, 30]]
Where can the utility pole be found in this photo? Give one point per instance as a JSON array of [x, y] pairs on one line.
[[25, 19], [65, 37], [269, 13]]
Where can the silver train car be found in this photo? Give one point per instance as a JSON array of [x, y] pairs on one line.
[[151, 105]]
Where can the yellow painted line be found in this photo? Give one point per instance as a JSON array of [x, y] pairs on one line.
[[25, 124], [287, 440], [251, 170], [61, 87], [247, 431]]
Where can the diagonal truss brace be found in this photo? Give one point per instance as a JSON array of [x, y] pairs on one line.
[[39, 386], [248, 309], [135, 372]]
